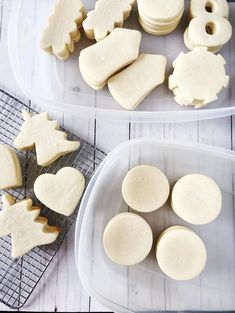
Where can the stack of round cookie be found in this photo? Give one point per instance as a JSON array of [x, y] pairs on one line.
[[160, 17]]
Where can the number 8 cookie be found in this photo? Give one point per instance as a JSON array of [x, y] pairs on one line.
[[209, 29], [199, 7]]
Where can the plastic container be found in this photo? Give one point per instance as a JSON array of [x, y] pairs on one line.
[[59, 85], [143, 287]]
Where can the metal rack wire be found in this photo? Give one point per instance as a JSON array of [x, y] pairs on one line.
[[19, 277]]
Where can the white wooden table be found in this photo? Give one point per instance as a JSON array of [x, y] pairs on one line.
[[60, 288]]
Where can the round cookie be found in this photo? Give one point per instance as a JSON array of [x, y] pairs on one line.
[[209, 32], [196, 199], [181, 254], [198, 77], [145, 188], [160, 17], [161, 11], [199, 7], [127, 239]]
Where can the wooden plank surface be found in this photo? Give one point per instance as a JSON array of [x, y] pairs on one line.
[[60, 288]]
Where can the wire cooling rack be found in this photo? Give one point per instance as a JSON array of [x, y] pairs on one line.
[[19, 277]]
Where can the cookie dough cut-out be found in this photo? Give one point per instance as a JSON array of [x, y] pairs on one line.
[[127, 239], [28, 229], [199, 7], [210, 31], [62, 30], [198, 77], [100, 61], [145, 188], [197, 199], [50, 143], [10, 169], [61, 192], [133, 84], [181, 253], [107, 15], [160, 17]]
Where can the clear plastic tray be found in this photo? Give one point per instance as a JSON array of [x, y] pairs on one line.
[[143, 287], [49, 82]]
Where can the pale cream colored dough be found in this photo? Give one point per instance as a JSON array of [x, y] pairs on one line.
[[161, 11], [190, 45], [61, 192], [160, 17], [145, 188], [197, 35], [134, 83], [198, 77], [127, 239], [196, 199], [100, 61], [63, 28], [107, 15], [50, 143], [219, 7], [10, 169], [27, 229], [158, 32], [181, 253]]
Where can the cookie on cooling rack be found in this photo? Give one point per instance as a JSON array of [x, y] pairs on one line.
[[10, 169], [50, 143], [61, 192], [28, 229]]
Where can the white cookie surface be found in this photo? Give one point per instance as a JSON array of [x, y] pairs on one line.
[[127, 239], [61, 192], [134, 83], [198, 77], [100, 61], [50, 143], [62, 27], [196, 199], [27, 228], [181, 254], [10, 169], [145, 188], [107, 15]]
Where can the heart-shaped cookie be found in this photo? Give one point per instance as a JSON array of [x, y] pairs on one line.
[[61, 192]]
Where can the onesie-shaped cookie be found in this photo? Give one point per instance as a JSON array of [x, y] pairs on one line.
[[50, 143], [28, 229], [133, 84], [107, 15], [198, 77], [100, 61], [10, 169], [61, 192], [63, 28]]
